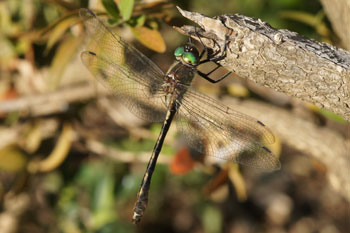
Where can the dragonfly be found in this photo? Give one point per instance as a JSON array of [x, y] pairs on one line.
[[208, 126]]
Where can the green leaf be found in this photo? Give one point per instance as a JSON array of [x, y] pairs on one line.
[[126, 7], [103, 200], [137, 21], [212, 219], [112, 22], [111, 8], [132, 146], [331, 115]]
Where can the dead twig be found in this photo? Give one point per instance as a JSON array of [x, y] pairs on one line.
[[280, 59]]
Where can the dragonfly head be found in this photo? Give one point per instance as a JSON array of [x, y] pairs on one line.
[[187, 54]]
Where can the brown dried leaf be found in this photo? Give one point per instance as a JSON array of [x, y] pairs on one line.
[[12, 159], [59, 29], [58, 155], [152, 39], [238, 181], [64, 54], [33, 138]]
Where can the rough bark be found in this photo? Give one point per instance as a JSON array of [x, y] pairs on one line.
[[280, 59], [287, 62]]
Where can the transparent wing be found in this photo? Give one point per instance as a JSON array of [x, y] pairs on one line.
[[142, 99], [109, 45], [129, 74], [227, 134]]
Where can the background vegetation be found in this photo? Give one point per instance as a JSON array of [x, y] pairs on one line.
[[72, 158]]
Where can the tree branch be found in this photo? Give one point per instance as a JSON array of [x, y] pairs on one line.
[[321, 143], [280, 59], [48, 103]]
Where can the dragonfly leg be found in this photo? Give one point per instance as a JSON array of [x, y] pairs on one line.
[[200, 40], [223, 53], [206, 77], [212, 56]]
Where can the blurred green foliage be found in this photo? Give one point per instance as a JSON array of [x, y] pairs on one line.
[[93, 194]]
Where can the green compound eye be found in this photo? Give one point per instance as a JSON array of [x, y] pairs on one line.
[[179, 51], [189, 58]]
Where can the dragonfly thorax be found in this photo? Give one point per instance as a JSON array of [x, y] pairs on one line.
[[177, 80], [179, 73]]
